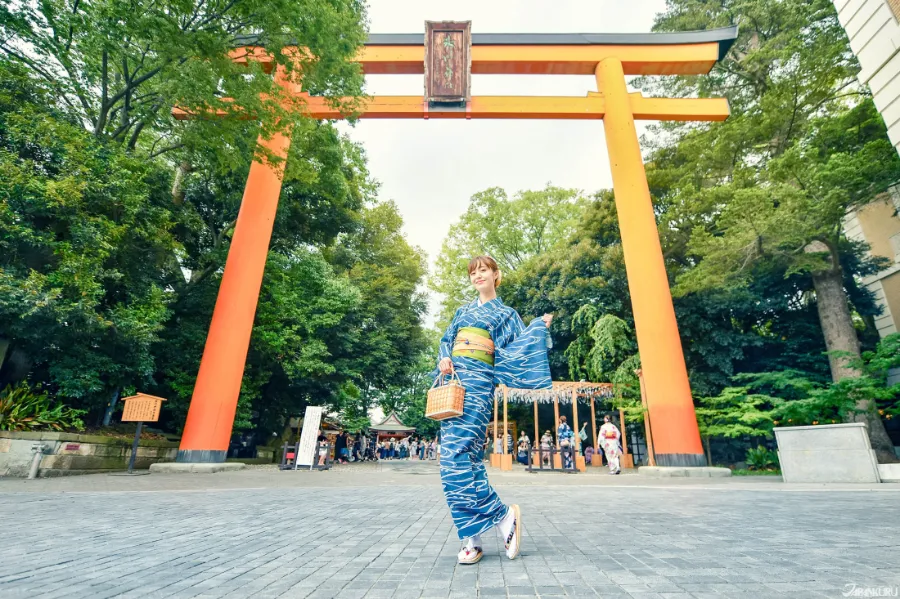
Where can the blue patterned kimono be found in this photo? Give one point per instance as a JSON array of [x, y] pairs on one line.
[[520, 361]]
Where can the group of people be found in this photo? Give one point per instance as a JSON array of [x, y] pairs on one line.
[[346, 448], [408, 448], [362, 449], [609, 442]]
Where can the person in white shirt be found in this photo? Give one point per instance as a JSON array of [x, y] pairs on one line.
[[609, 442], [546, 446]]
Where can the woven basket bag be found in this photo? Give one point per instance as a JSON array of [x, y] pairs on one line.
[[445, 400]]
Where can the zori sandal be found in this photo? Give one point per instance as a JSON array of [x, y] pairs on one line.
[[470, 555]]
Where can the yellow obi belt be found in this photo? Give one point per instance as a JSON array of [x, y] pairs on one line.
[[474, 343]]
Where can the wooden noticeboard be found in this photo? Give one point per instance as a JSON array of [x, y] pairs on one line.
[[142, 408], [448, 61]]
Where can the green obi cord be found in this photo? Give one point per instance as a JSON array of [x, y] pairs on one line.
[[477, 354]]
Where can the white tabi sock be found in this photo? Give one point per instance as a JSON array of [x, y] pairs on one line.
[[467, 554], [505, 525]]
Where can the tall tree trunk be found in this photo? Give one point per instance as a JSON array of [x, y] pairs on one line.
[[178, 182], [15, 366], [4, 345], [107, 415], [840, 336]]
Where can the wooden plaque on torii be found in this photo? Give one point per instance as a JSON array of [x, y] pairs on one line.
[[448, 62]]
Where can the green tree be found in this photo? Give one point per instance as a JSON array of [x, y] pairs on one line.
[[408, 398], [84, 251], [605, 350], [121, 67], [335, 327], [803, 146], [338, 319], [512, 231], [720, 329], [790, 398], [387, 331], [839, 400], [734, 413], [326, 185]]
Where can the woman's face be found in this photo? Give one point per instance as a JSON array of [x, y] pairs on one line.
[[483, 278]]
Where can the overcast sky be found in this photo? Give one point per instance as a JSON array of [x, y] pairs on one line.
[[431, 168]]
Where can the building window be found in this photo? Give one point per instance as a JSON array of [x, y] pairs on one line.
[[895, 8]]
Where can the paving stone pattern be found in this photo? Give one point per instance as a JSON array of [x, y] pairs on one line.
[[385, 541]]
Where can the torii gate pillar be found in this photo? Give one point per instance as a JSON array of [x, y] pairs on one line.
[[210, 418], [677, 437]]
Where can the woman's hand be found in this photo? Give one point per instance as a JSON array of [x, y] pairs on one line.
[[547, 318], [446, 366]]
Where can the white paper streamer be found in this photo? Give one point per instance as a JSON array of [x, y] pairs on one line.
[[562, 393]]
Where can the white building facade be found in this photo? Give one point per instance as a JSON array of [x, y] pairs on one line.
[[873, 27]]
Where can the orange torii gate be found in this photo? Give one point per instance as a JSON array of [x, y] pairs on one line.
[[458, 54]]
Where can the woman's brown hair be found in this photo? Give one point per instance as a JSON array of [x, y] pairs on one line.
[[486, 261]]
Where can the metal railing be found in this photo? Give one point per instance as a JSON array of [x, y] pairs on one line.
[[289, 457], [547, 459]]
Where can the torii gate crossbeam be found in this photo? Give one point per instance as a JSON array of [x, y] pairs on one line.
[[609, 57]]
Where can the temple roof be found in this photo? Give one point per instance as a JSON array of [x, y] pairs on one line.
[[392, 424]]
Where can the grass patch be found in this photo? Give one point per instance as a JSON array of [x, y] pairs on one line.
[[250, 461], [756, 472]]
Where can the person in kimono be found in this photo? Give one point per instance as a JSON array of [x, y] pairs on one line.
[[609, 441], [486, 344]]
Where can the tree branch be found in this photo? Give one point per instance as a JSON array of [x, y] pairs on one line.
[[71, 27], [162, 151], [122, 129], [100, 125], [132, 142]]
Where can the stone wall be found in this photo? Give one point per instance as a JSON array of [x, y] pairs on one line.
[[827, 453], [68, 453]]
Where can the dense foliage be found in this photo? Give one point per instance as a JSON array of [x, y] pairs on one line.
[[116, 219], [120, 67], [25, 409]]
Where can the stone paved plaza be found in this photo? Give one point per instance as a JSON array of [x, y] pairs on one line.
[[384, 531]]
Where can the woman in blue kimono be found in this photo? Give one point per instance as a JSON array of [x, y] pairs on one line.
[[486, 344]]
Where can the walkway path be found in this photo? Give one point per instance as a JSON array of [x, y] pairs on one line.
[[384, 531]]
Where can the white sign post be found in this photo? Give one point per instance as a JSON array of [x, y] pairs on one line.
[[306, 454]]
